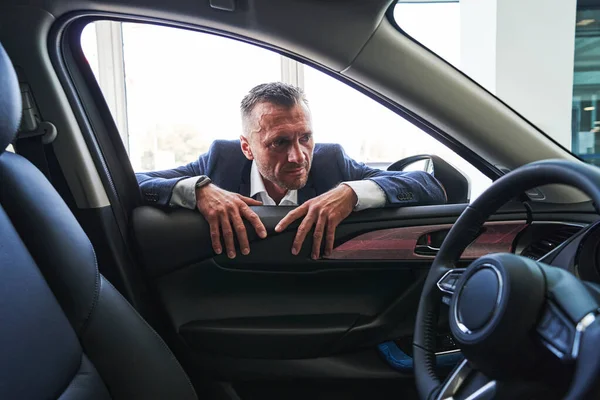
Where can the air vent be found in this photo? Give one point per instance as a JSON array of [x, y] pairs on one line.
[[552, 237]]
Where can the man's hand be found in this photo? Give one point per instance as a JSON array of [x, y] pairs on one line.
[[327, 211], [224, 211]]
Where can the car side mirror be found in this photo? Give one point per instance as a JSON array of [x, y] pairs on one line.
[[454, 181]]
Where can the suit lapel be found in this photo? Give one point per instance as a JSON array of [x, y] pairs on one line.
[[244, 189], [307, 192]]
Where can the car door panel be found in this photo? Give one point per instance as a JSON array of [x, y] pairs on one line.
[[422, 242], [172, 239], [270, 306], [272, 337]]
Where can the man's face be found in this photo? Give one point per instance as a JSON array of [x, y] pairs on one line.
[[281, 144]]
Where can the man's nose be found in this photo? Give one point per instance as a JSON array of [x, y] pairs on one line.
[[295, 154]]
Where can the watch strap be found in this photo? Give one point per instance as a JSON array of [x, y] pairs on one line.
[[203, 180]]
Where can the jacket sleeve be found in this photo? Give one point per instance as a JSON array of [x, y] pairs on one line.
[[157, 186], [400, 188]]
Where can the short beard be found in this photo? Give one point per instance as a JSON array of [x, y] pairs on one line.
[[272, 178], [300, 185]]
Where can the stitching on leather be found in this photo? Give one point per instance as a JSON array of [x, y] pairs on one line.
[[96, 292], [160, 339], [428, 324]]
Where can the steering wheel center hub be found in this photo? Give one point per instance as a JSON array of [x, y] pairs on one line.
[[478, 298], [496, 303]]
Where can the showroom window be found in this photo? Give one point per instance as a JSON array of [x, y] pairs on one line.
[[586, 86], [172, 92], [435, 24], [547, 68], [179, 90]]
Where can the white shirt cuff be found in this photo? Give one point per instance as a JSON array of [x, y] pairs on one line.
[[184, 193], [368, 193]]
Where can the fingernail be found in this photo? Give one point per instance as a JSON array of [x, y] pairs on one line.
[[218, 251], [327, 253], [294, 251], [231, 254], [277, 228], [246, 252], [263, 234], [314, 256]]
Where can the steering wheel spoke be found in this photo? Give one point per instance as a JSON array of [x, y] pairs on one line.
[[465, 382], [447, 283], [568, 311], [559, 334]]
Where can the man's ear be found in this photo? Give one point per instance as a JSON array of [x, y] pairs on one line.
[[246, 147]]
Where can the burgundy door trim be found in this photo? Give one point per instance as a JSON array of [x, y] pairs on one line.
[[399, 243]]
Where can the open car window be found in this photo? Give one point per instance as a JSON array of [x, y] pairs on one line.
[[172, 92]]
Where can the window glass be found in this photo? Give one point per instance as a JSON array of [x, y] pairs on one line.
[[172, 92], [586, 86], [542, 61], [182, 89], [371, 132], [89, 44], [436, 25]]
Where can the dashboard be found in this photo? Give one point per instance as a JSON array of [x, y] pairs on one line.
[[574, 246], [579, 253]]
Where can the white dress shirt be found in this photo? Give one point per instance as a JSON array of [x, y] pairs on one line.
[[368, 193]]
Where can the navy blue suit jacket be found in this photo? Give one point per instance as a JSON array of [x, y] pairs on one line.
[[228, 168]]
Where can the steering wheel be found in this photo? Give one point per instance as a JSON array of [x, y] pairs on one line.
[[522, 325]]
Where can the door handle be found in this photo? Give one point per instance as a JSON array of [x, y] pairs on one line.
[[426, 250]]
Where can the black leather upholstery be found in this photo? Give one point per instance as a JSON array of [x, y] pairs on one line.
[[10, 101], [65, 332]]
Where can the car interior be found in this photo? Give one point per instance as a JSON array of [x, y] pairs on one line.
[[104, 296]]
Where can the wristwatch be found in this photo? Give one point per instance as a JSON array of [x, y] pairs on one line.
[[203, 180]]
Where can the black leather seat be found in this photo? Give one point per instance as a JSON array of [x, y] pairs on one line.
[[65, 332]]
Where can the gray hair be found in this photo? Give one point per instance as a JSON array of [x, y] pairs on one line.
[[278, 93]]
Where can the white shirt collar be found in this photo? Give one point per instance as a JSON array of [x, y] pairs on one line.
[[257, 187]]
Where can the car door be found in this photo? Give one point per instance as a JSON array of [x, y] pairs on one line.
[[271, 305], [271, 315]]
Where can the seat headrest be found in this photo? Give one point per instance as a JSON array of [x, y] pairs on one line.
[[10, 101]]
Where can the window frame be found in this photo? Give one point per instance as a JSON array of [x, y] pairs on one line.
[[67, 32], [112, 80]]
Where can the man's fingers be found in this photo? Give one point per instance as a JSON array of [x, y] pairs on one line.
[[254, 219], [215, 237], [250, 201], [240, 231], [303, 230], [291, 217], [227, 235], [318, 237], [330, 237]]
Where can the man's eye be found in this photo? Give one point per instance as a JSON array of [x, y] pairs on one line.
[[305, 139], [278, 143]]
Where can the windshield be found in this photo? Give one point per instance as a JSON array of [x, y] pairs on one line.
[[542, 61]]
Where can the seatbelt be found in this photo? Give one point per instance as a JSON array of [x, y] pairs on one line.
[[32, 148], [34, 133]]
